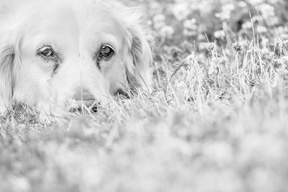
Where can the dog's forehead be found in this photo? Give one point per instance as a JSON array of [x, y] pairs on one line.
[[81, 13], [70, 22]]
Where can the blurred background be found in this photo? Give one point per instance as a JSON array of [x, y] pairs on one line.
[[224, 21]]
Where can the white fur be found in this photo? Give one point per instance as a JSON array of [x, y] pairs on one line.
[[75, 29]]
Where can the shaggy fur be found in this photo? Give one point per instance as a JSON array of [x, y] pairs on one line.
[[57, 50]]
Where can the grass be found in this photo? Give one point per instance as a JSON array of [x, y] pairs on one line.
[[217, 121]]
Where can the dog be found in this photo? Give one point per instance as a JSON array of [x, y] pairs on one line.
[[52, 52]]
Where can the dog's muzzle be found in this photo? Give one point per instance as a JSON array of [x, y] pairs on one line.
[[82, 105], [82, 101]]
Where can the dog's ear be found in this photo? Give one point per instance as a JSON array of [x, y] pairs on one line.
[[8, 51], [139, 58], [6, 77]]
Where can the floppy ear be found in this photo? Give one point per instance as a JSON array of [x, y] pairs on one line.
[[6, 77], [8, 25], [139, 58]]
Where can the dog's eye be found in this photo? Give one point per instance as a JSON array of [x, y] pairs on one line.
[[106, 52], [46, 52]]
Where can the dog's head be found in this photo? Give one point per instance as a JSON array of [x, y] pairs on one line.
[[54, 51]]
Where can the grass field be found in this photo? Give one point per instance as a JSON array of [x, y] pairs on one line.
[[217, 120]]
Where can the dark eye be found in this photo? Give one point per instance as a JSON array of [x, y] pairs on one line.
[[106, 52], [47, 52]]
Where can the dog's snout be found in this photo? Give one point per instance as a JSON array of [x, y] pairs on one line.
[[122, 93], [94, 109], [82, 101], [82, 94], [82, 106]]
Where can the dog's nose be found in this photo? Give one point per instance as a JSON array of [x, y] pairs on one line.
[[83, 100], [82, 106], [122, 93], [94, 109]]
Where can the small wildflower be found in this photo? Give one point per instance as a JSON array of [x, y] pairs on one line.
[[284, 36], [266, 10], [167, 32], [201, 37], [175, 52], [204, 6], [155, 6], [273, 1], [264, 41], [272, 21], [159, 21], [181, 11], [247, 25], [213, 69], [189, 33], [224, 15], [219, 34], [150, 38], [190, 27], [190, 24], [257, 19], [242, 4], [202, 46], [190, 58], [227, 9], [256, 2], [261, 29], [210, 46], [279, 48], [222, 60], [278, 63], [237, 47]]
